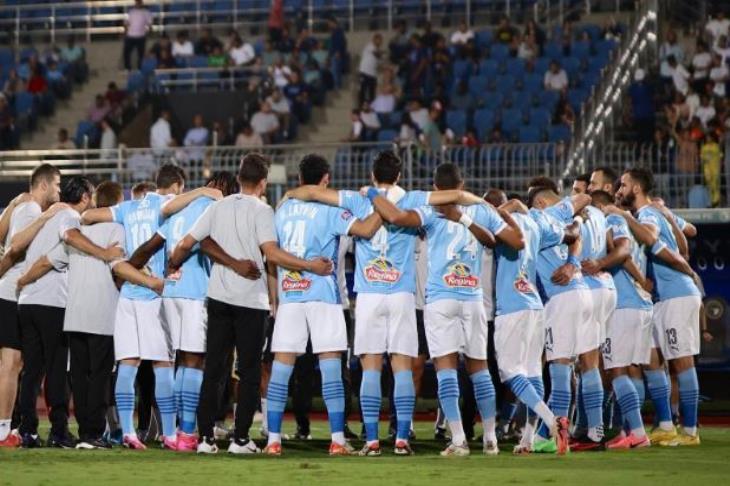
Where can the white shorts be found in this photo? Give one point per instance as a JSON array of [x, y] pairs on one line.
[[296, 323], [187, 320], [570, 329], [677, 326], [139, 331], [604, 303], [386, 323], [518, 343], [456, 326], [628, 339]]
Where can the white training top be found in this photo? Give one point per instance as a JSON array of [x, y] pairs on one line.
[[23, 215]]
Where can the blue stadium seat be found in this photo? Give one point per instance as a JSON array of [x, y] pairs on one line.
[[86, 129], [516, 67], [135, 82], [478, 85], [530, 134], [483, 38], [553, 50], [580, 49], [542, 64], [593, 30], [462, 69], [149, 64], [549, 99], [387, 135], [540, 116], [698, 197], [559, 133], [571, 66], [456, 121], [533, 83], [484, 120], [7, 57], [576, 97], [505, 83], [499, 52], [489, 68], [512, 119], [492, 100], [198, 62]]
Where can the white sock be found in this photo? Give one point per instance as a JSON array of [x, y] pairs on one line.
[[489, 434], [690, 430], [264, 418], [4, 429], [545, 414], [640, 432], [371, 442], [666, 425], [595, 434], [528, 435], [458, 436], [274, 438], [338, 438]]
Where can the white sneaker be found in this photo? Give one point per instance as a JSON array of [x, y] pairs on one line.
[[85, 445], [204, 447], [460, 450], [491, 448], [241, 447]]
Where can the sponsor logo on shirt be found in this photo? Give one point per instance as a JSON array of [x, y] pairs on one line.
[[381, 270], [346, 215], [523, 285], [460, 276], [295, 282]]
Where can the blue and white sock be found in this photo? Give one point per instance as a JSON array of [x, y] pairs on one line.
[[404, 396], [193, 379], [333, 392], [640, 390], [370, 398], [448, 390], [658, 386], [560, 394], [276, 397], [628, 400], [486, 399], [689, 395], [525, 391], [581, 419], [592, 389], [165, 397], [124, 396], [179, 378]]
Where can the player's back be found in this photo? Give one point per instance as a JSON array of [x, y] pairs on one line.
[[593, 236], [191, 279], [629, 294], [23, 215], [309, 230]]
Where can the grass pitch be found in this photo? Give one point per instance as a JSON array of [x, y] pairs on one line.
[[308, 463]]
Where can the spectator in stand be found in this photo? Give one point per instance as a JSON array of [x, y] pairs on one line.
[[611, 30], [166, 61], [252, 96], [505, 33], [8, 139], [418, 114], [723, 49], [305, 41], [441, 64], [75, 59], [13, 85], [276, 21], [564, 112], [496, 137], [280, 106], [389, 82], [280, 72], [687, 153], [286, 44], [242, 53], [462, 99], [701, 64], [207, 43], [163, 44], [370, 121], [463, 35], [161, 134], [642, 107], [337, 51], [670, 47], [680, 75], [528, 49], [196, 139], [415, 68], [470, 139], [706, 111], [385, 100], [556, 79], [37, 83], [63, 142], [57, 81], [719, 75], [357, 128], [219, 135], [432, 138], [217, 58], [108, 139], [247, 138], [538, 35], [139, 21], [408, 132], [265, 123], [400, 43], [115, 97], [662, 149], [182, 47], [369, 60], [297, 94], [717, 26], [711, 157], [98, 110]]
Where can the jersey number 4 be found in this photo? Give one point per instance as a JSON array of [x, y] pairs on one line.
[[294, 237]]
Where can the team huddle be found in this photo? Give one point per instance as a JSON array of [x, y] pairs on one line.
[[596, 285]]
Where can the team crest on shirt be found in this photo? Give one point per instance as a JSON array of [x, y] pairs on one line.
[[380, 270], [295, 282], [460, 276], [523, 285]]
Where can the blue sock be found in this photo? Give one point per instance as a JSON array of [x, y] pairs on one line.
[[165, 397], [593, 397], [539, 386], [689, 394], [190, 394], [560, 394], [628, 401], [617, 418], [179, 379], [581, 420], [523, 389], [333, 392], [658, 386], [124, 396], [277, 394], [640, 390], [404, 396], [370, 397], [448, 391]]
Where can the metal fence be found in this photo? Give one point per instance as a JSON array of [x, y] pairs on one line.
[[508, 166]]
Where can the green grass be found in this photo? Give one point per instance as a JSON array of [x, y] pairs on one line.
[[308, 463]]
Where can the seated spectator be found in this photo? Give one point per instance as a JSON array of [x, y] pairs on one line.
[[305, 41], [75, 58], [612, 29], [706, 111], [13, 85], [418, 114], [408, 132], [247, 138], [285, 44], [431, 138], [63, 142], [463, 35], [217, 58], [385, 100], [496, 136], [528, 49], [162, 45], [297, 93], [389, 81], [505, 33], [252, 96], [207, 43], [99, 110], [370, 121], [242, 53], [556, 79], [564, 112], [280, 72], [670, 47], [37, 83], [115, 97], [219, 135], [196, 139], [441, 62], [166, 61], [265, 123], [680, 76], [357, 128], [719, 75], [161, 134], [8, 138], [537, 34], [280, 106], [470, 139], [57, 81], [462, 99], [717, 26], [701, 64], [723, 49], [108, 139], [182, 47], [430, 37]]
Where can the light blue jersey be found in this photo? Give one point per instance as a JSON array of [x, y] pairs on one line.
[[517, 270], [141, 218], [668, 282], [454, 255], [629, 294], [593, 234], [385, 264], [191, 280], [553, 257], [309, 230]]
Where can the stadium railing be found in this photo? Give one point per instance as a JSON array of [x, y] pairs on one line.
[[194, 78], [23, 20]]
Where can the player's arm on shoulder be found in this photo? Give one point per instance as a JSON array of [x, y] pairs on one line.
[[392, 213], [483, 235], [39, 268], [23, 238], [366, 228], [689, 230], [454, 196], [97, 215], [127, 272], [8, 213], [580, 202], [679, 235], [178, 203], [564, 274], [181, 251], [617, 253], [146, 250], [315, 193], [511, 235], [75, 239], [645, 233], [277, 256], [244, 268]]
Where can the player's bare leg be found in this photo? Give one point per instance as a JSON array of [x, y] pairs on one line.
[[11, 363]]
